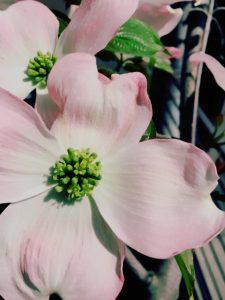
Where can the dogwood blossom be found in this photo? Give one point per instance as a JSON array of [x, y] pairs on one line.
[[87, 186], [29, 44], [214, 66], [159, 14]]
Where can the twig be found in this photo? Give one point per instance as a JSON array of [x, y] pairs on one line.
[[199, 73]]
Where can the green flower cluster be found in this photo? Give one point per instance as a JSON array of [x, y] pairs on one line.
[[39, 68], [76, 173]]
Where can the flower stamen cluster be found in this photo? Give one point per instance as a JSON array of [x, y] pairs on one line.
[[39, 68], [76, 173]]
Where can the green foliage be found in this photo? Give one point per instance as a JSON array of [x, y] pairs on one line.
[[63, 23], [161, 64], [150, 132], [135, 38], [186, 265]]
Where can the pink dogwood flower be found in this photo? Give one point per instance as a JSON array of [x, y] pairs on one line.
[[29, 44], [214, 66], [159, 14], [86, 187]]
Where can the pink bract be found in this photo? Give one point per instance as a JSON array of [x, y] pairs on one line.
[[159, 15], [29, 26], [214, 66], [153, 196]]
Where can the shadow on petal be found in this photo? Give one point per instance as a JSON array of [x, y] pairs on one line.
[[107, 238]]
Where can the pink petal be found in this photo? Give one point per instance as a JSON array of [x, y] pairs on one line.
[[176, 53], [26, 27], [162, 19], [156, 197], [47, 109], [214, 66], [94, 24], [27, 150], [96, 110], [64, 249], [72, 10]]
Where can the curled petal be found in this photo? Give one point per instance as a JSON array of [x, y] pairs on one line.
[[27, 150], [94, 24], [214, 66], [156, 197], [22, 34], [161, 18], [95, 109], [49, 248]]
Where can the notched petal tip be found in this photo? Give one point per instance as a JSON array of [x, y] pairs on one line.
[[159, 197], [200, 170]]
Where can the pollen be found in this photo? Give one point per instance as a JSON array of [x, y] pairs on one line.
[[39, 68], [76, 174]]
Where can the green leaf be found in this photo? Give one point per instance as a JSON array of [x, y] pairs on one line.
[[186, 265], [219, 137], [161, 64], [135, 38], [63, 23], [150, 132]]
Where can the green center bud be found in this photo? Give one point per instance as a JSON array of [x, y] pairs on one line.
[[39, 68], [76, 173]]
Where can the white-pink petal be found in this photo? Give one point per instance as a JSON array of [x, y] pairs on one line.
[[163, 19], [47, 247], [96, 110], [156, 197], [214, 66], [26, 27], [27, 150], [159, 15], [94, 24]]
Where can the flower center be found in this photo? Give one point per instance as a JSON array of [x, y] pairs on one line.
[[76, 173], [39, 68]]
